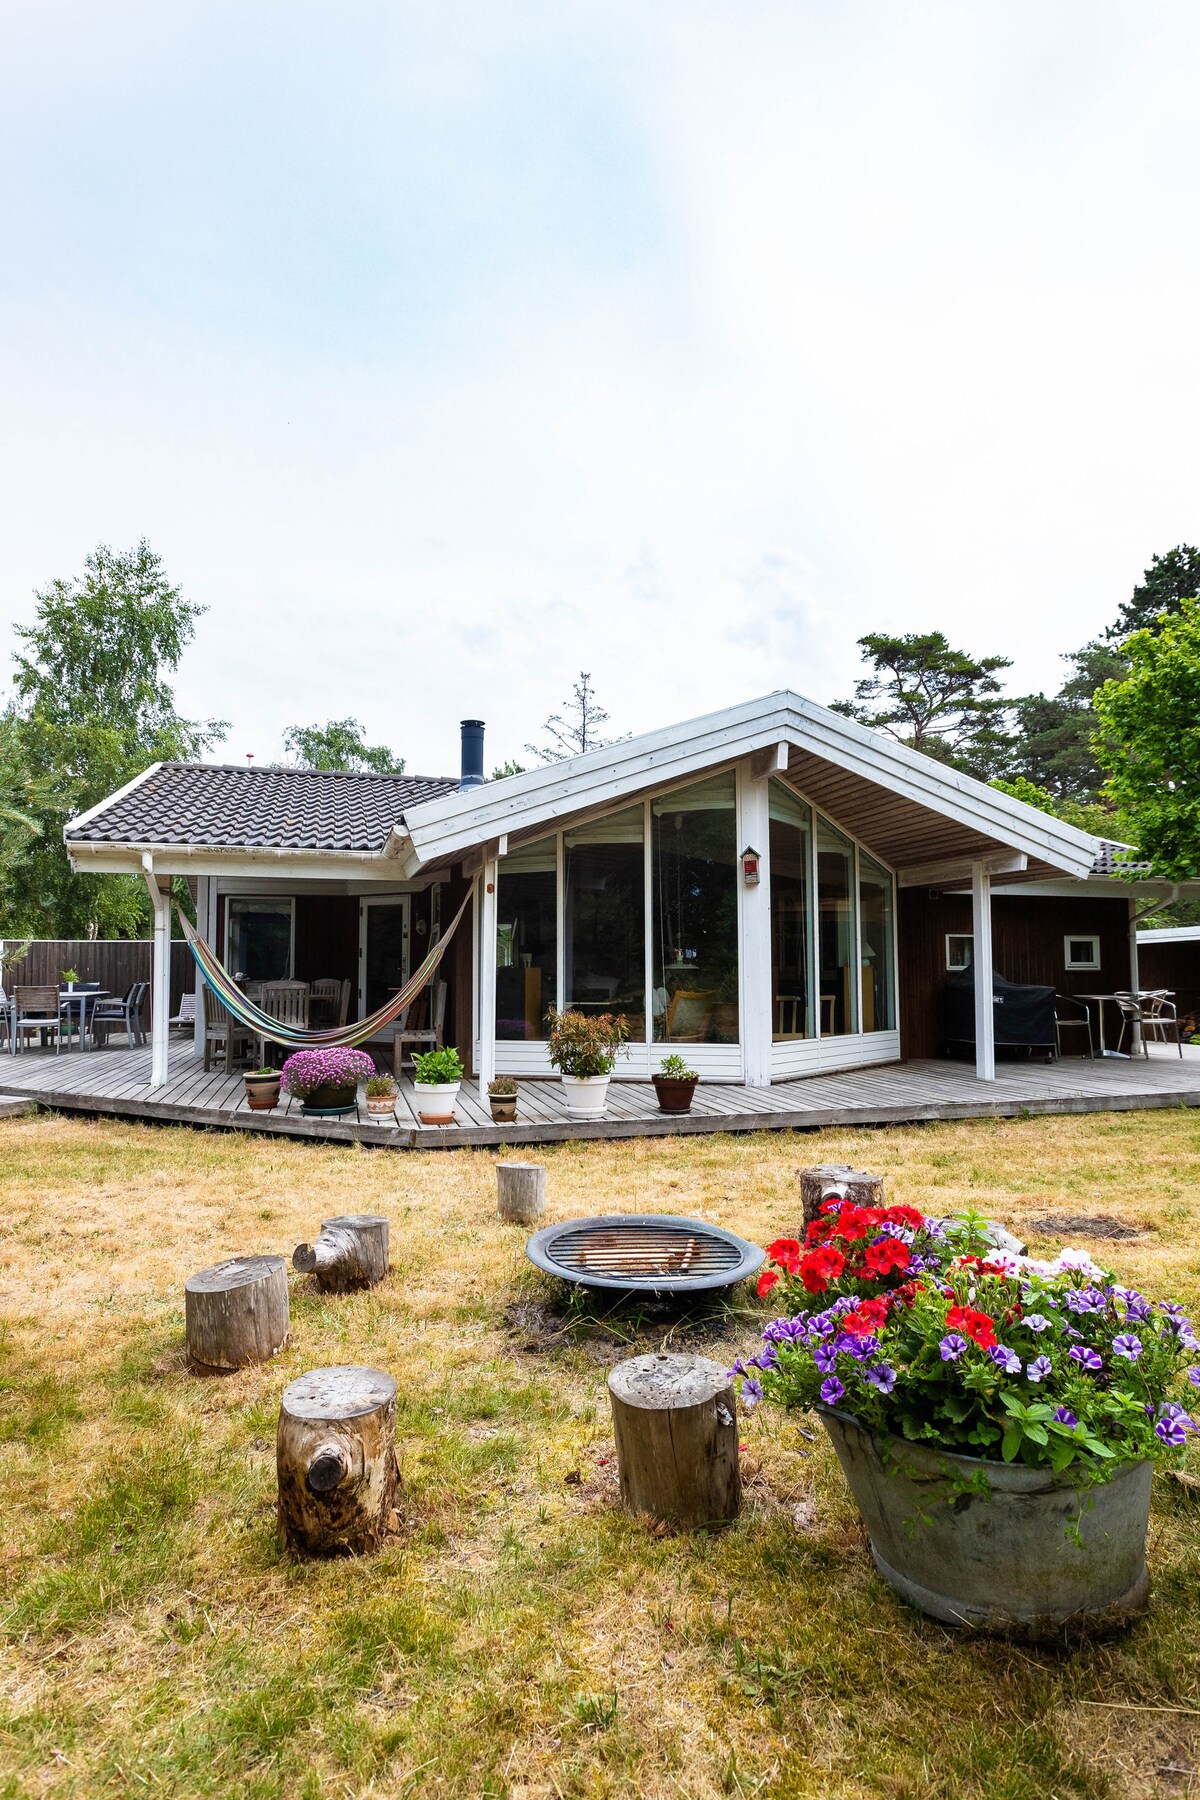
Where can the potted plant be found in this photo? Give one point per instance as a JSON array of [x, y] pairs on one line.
[[438, 1077], [584, 1048], [997, 1417], [262, 1089], [326, 1080], [675, 1085], [502, 1098], [69, 977], [381, 1095]]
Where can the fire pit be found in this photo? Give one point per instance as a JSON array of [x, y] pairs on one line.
[[655, 1252]]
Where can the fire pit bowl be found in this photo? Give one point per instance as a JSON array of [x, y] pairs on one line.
[[657, 1253]]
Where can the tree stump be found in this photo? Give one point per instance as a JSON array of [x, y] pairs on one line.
[[336, 1459], [351, 1252], [818, 1183], [236, 1312], [675, 1421], [520, 1192]]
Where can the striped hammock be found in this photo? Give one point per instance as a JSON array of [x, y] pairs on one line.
[[218, 978]]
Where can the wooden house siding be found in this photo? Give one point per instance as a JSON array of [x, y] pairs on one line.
[[1175, 966], [1027, 941], [114, 962]]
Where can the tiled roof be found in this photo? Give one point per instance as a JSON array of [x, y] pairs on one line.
[[1117, 859], [229, 804]]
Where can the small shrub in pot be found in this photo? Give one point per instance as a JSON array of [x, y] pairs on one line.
[[675, 1084], [584, 1048], [502, 1098], [438, 1077], [381, 1095]]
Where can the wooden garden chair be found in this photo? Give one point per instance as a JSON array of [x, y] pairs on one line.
[[287, 1001], [422, 1036], [688, 1014], [35, 1009], [220, 1027]]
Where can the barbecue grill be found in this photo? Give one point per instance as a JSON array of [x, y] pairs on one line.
[[647, 1252]]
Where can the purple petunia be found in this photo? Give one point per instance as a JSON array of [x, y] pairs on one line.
[[1090, 1361], [1005, 1359], [1171, 1432], [952, 1346], [1039, 1368], [1127, 1345], [1086, 1300], [881, 1376], [1037, 1322], [751, 1393], [832, 1391], [825, 1357], [1194, 1377], [1064, 1416]]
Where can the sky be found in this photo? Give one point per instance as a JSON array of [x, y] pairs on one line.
[[443, 350]]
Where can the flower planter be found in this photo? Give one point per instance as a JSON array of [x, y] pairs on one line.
[[328, 1101], [435, 1101], [504, 1108], [586, 1095], [262, 1092], [1007, 1559], [381, 1106], [674, 1092]]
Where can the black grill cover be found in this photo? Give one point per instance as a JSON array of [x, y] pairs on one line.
[[1023, 1015]]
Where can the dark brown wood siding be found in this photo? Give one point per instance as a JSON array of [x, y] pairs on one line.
[[114, 962], [1027, 938], [1175, 966], [457, 968]]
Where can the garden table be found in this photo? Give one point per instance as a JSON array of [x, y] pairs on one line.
[[71, 998]]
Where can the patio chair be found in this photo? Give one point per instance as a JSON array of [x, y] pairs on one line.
[[5, 1015], [688, 1014], [287, 1001], [1067, 1020], [186, 1016], [220, 1027], [323, 1008], [1161, 1016], [35, 1009], [1130, 1009], [430, 1036], [124, 1014]]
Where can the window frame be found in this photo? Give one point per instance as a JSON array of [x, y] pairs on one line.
[[959, 937], [1081, 937]]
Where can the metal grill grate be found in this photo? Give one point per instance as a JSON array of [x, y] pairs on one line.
[[659, 1252]]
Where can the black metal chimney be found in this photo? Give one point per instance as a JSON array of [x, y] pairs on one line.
[[472, 753]]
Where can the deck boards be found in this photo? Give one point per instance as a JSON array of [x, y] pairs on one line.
[[115, 1082]]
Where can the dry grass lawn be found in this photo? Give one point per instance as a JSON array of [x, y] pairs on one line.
[[520, 1636]]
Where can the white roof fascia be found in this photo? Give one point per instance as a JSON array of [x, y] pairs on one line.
[[1170, 934], [451, 823], [85, 818], [255, 859]]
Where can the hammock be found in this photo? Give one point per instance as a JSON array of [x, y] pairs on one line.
[[263, 1025]]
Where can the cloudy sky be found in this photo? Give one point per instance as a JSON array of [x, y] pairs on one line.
[[442, 349]]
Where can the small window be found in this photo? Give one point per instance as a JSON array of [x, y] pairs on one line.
[[959, 949], [1082, 952]]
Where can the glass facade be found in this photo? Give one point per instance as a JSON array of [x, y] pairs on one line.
[[604, 922], [877, 931], [526, 940], [694, 920], [791, 915], [836, 907]]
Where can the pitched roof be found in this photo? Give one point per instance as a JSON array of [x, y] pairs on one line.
[[1114, 858], [231, 804]]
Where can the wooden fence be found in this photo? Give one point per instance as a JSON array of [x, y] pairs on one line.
[[113, 962]]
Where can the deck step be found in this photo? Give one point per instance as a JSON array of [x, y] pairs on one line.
[[13, 1105]]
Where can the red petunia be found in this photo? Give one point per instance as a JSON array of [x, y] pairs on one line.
[[783, 1250], [766, 1281], [868, 1317], [819, 1267], [904, 1215], [980, 1327], [888, 1254]]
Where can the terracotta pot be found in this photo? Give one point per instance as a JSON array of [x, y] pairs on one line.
[[675, 1092], [262, 1092]]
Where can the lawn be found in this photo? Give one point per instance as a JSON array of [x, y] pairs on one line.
[[519, 1636]]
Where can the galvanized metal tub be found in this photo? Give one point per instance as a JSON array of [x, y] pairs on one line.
[[1019, 1551]]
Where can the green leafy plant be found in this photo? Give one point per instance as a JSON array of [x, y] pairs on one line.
[[675, 1069], [380, 1087], [68, 975], [438, 1068], [503, 1088], [585, 1044], [262, 1075]]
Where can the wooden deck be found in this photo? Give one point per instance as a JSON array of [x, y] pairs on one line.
[[115, 1082]]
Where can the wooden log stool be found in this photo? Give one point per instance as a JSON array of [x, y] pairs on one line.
[[823, 1180], [336, 1460], [675, 1421], [520, 1192], [236, 1313], [350, 1252]]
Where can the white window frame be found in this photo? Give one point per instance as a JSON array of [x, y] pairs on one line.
[[1081, 937], [959, 937]]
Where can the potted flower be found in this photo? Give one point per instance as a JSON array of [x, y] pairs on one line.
[[326, 1080], [69, 977], [674, 1084], [584, 1048], [381, 1096], [997, 1417], [262, 1089], [439, 1076], [502, 1098]]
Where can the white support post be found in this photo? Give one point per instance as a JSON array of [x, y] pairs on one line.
[[160, 975], [754, 832], [985, 1006], [487, 971], [204, 884]]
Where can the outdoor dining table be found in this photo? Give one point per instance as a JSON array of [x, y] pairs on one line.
[[71, 998], [1102, 1001]]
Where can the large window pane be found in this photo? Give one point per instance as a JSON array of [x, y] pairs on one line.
[[259, 939], [695, 920], [526, 940], [877, 929], [791, 915], [605, 927], [835, 931]]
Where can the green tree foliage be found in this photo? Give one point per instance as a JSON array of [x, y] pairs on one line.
[[93, 708], [934, 698], [510, 767], [339, 745], [23, 797], [1165, 585], [1052, 743], [1149, 740], [576, 729]]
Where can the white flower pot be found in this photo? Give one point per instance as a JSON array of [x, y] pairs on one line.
[[435, 1101], [381, 1106], [586, 1095]]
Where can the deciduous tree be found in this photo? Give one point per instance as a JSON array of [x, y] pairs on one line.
[[339, 745], [1149, 741]]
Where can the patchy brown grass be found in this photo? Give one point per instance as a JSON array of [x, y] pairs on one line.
[[520, 1637]]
